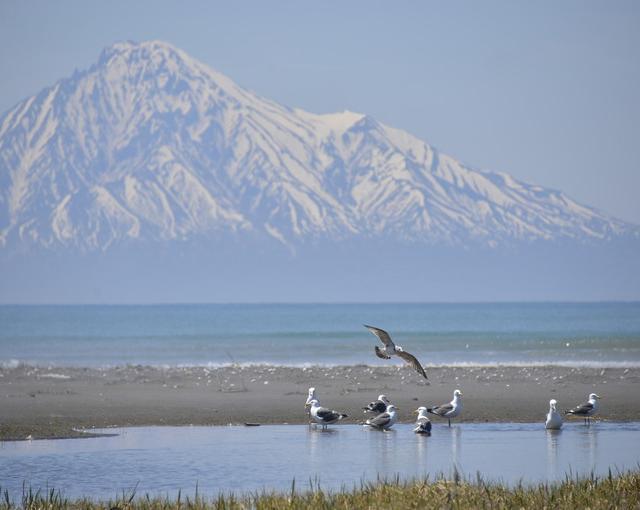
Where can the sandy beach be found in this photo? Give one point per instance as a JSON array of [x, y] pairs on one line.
[[52, 402]]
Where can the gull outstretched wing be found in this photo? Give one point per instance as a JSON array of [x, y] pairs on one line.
[[413, 361], [382, 335]]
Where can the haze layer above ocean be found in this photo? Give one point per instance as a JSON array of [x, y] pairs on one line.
[[575, 334]]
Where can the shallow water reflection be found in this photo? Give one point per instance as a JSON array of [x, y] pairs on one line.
[[552, 454], [161, 460]]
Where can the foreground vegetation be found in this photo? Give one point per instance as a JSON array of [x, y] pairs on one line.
[[621, 491]]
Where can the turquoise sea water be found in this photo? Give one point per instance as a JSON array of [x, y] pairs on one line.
[[594, 334]]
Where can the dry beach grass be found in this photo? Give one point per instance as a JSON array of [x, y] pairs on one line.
[[612, 492]]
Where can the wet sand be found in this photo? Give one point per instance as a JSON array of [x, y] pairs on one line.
[[52, 402]]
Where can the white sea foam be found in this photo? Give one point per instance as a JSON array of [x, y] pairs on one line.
[[453, 364], [13, 364], [527, 364]]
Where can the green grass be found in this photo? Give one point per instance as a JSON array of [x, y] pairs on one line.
[[621, 491]]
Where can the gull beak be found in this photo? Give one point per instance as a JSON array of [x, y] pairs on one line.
[[416, 411], [598, 396]]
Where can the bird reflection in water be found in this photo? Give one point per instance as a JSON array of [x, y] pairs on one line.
[[553, 436]]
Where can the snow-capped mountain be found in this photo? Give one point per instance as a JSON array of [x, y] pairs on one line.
[[150, 144]]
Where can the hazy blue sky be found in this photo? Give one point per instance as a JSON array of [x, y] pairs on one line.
[[547, 91]]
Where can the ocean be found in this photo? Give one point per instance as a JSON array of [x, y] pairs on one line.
[[570, 334]]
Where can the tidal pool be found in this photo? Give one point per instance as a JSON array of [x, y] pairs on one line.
[[163, 460]]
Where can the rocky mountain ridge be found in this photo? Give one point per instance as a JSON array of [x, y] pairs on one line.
[[150, 144]]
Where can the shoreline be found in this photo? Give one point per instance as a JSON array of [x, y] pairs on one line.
[[50, 402]]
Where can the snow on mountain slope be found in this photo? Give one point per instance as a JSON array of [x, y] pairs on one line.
[[151, 144]]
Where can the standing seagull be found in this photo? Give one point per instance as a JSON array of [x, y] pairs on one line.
[[385, 420], [378, 406], [325, 416], [423, 423], [588, 409], [391, 349], [450, 410], [554, 420], [312, 396]]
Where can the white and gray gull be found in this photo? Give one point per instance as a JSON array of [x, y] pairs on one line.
[[377, 406], [588, 409], [324, 416], [554, 420], [311, 396], [450, 410], [385, 420], [423, 423], [391, 349]]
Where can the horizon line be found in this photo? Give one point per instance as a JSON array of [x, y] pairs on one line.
[[330, 303]]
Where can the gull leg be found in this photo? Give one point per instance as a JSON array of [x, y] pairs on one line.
[[449, 420]]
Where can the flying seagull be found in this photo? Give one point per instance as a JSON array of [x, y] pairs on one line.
[[450, 410], [554, 420], [377, 406], [588, 409], [324, 416], [385, 420], [423, 423], [391, 349]]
